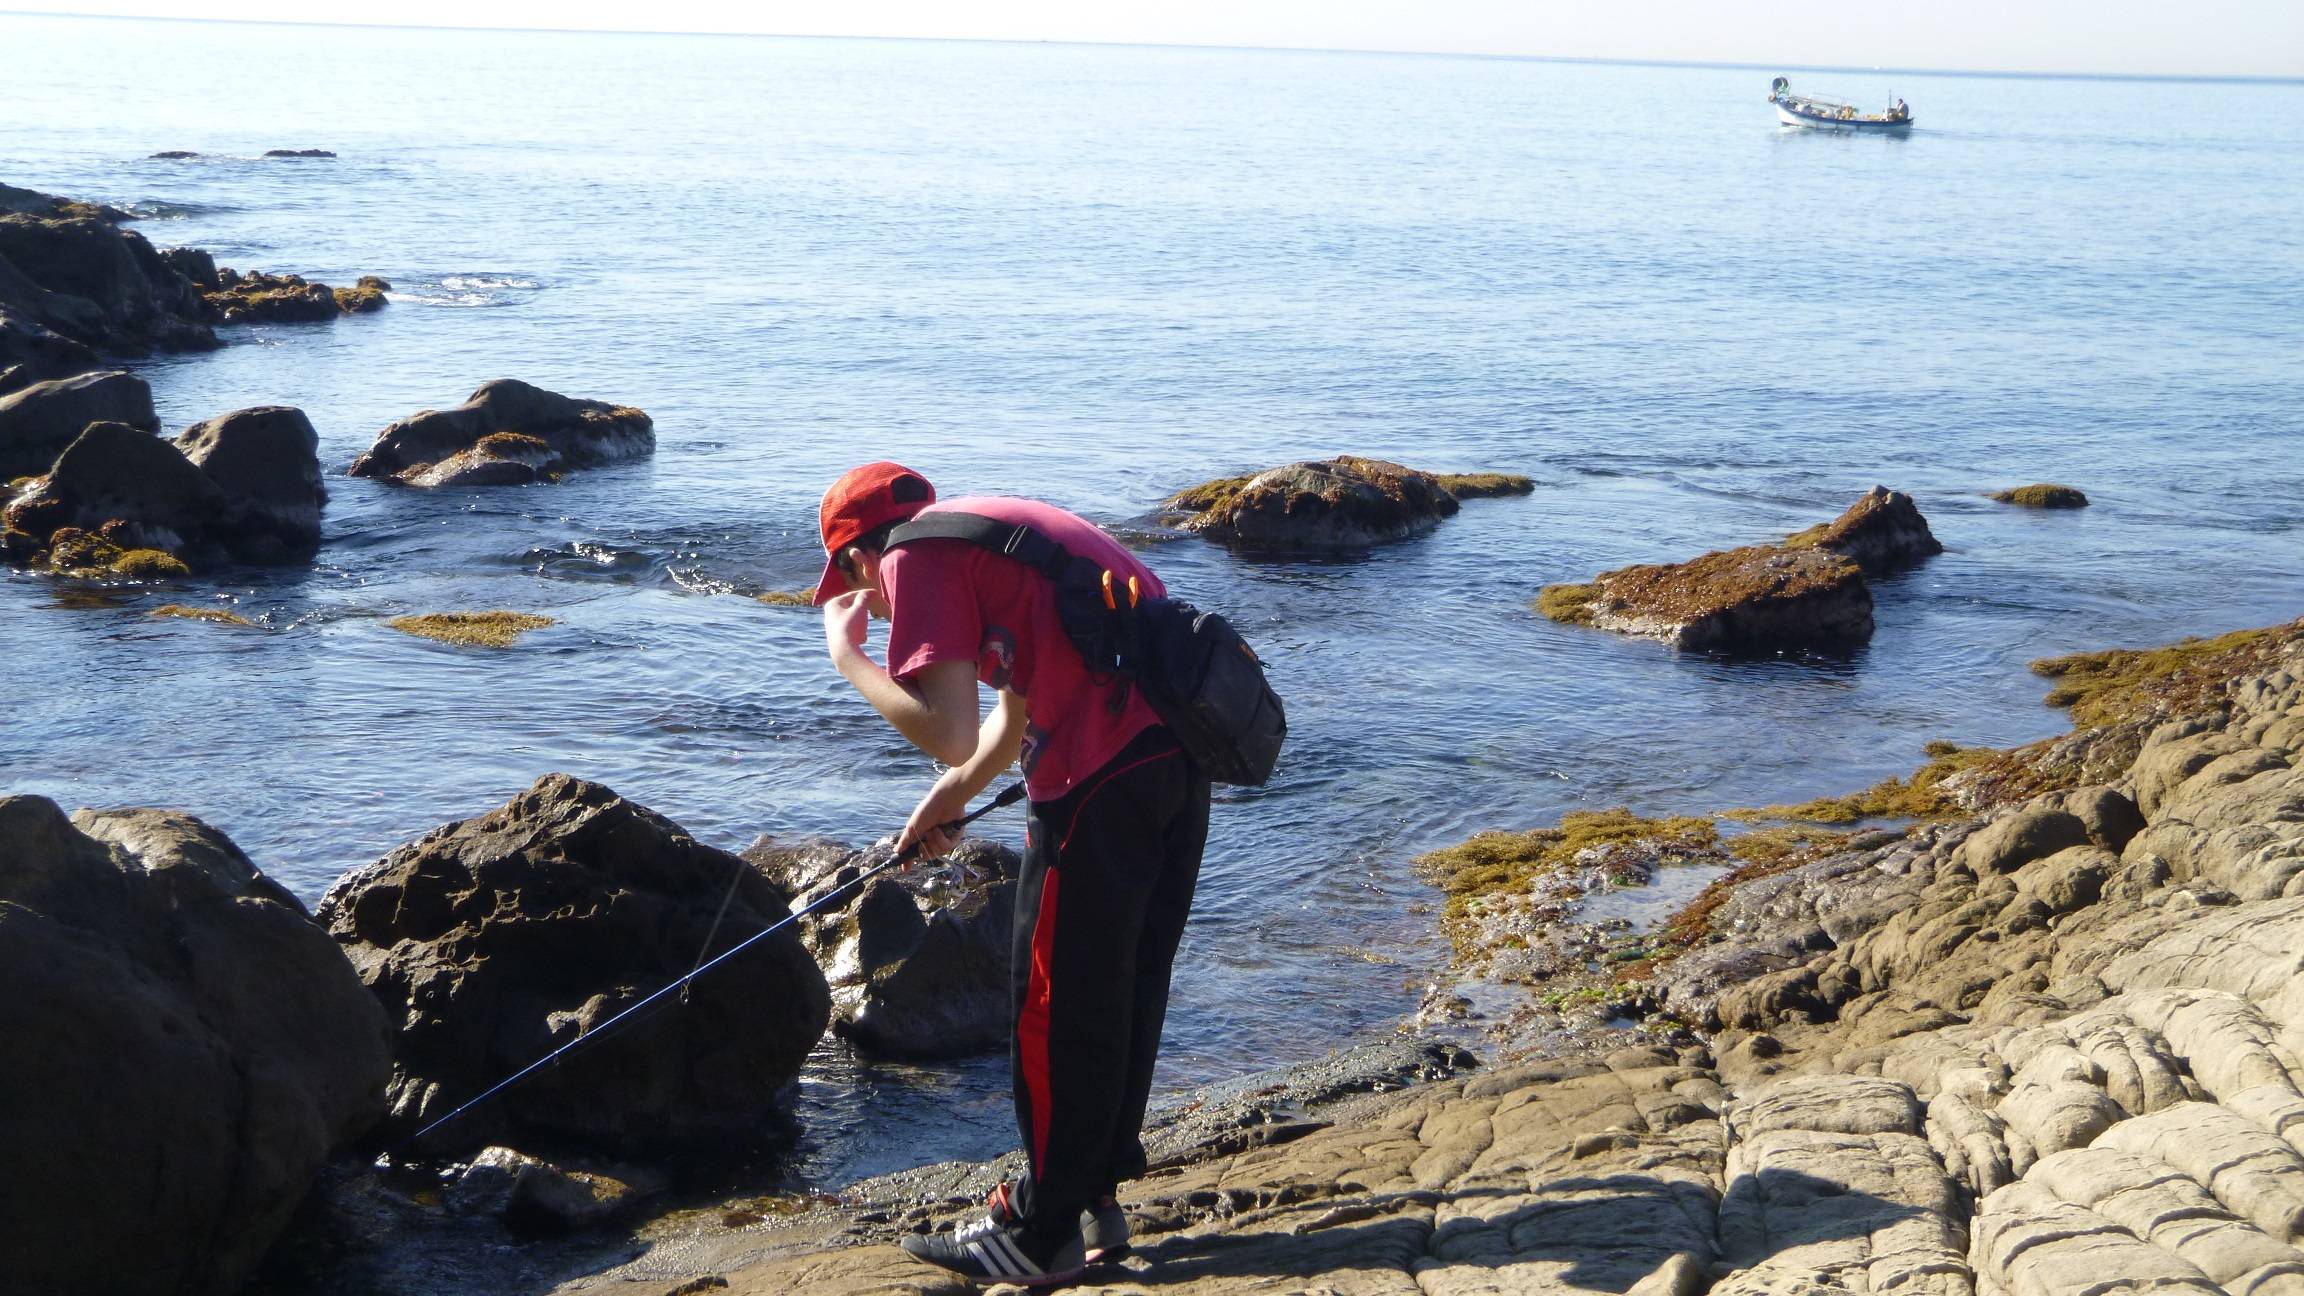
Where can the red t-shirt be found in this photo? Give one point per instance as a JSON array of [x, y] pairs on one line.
[[951, 600]]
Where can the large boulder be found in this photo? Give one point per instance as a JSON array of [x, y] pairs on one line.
[[1343, 503], [576, 433], [99, 285], [37, 422], [126, 483], [917, 960], [244, 486], [184, 1051], [493, 941], [1761, 598], [266, 461]]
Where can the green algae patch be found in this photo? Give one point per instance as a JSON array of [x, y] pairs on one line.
[[471, 629], [1926, 794], [1485, 485], [2120, 685], [2043, 495], [149, 564], [189, 613], [1508, 863], [512, 443], [1568, 604], [85, 554], [1206, 495], [788, 598]]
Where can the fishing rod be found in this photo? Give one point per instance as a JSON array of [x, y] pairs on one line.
[[1008, 796]]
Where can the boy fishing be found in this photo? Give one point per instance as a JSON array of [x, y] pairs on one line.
[[1117, 822]]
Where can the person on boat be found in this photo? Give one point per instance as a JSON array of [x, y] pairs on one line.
[[1899, 111], [1118, 820]]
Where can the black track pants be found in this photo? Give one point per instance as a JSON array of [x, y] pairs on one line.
[[1108, 875]]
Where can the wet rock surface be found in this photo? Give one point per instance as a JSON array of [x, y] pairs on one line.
[[507, 433], [1343, 503], [917, 960], [221, 1049], [495, 940]]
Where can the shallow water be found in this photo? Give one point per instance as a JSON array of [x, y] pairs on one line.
[[1099, 274]]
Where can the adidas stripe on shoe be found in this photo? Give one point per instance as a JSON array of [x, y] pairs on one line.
[[1103, 1229], [989, 1251]]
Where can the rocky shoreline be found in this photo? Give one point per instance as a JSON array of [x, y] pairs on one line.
[[2046, 1033]]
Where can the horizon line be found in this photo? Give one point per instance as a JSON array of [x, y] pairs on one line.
[[2243, 78]]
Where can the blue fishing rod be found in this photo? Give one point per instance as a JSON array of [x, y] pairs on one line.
[[1008, 796]]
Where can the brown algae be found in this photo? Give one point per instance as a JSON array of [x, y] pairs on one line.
[[2182, 678], [1568, 604], [2043, 495], [1485, 485], [497, 629], [219, 615]]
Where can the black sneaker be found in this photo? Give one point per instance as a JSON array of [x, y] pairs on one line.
[[1103, 1229], [989, 1251]]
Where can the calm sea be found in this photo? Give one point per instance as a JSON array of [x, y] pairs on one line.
[[1098, 274]]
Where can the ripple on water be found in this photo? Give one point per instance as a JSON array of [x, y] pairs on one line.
[[464, 290]]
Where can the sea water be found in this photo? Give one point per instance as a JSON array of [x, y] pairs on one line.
[[1096, 275]]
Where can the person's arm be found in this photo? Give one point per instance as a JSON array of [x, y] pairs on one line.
[[998, 742], [935, 710]]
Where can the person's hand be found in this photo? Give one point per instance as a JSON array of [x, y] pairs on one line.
[[845, 621], [944, 803]]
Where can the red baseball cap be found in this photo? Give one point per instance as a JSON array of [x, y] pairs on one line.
[[861, 502]]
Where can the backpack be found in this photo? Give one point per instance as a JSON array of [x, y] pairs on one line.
[[1204, 681]]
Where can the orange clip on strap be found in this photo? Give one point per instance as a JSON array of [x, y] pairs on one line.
[[1135, 592], [1108, 602]]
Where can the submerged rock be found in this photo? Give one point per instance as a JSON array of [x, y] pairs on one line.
[[364, 296], [917, 961], [493, 941], [1343, 503], [184, 1051], [2043, 495], [39, 421], [498, 629], [299, 153], [461, 446]]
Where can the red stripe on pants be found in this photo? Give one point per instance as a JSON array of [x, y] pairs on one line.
[[1032, 1026]]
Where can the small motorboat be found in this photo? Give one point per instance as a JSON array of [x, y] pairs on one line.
[[1819, 113]]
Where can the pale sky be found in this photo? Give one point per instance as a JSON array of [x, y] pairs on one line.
[[2164, 37]]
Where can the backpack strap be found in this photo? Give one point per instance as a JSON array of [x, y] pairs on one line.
[[1012, 539]]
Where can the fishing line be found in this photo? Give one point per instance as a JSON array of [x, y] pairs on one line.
[[1008, 796]]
